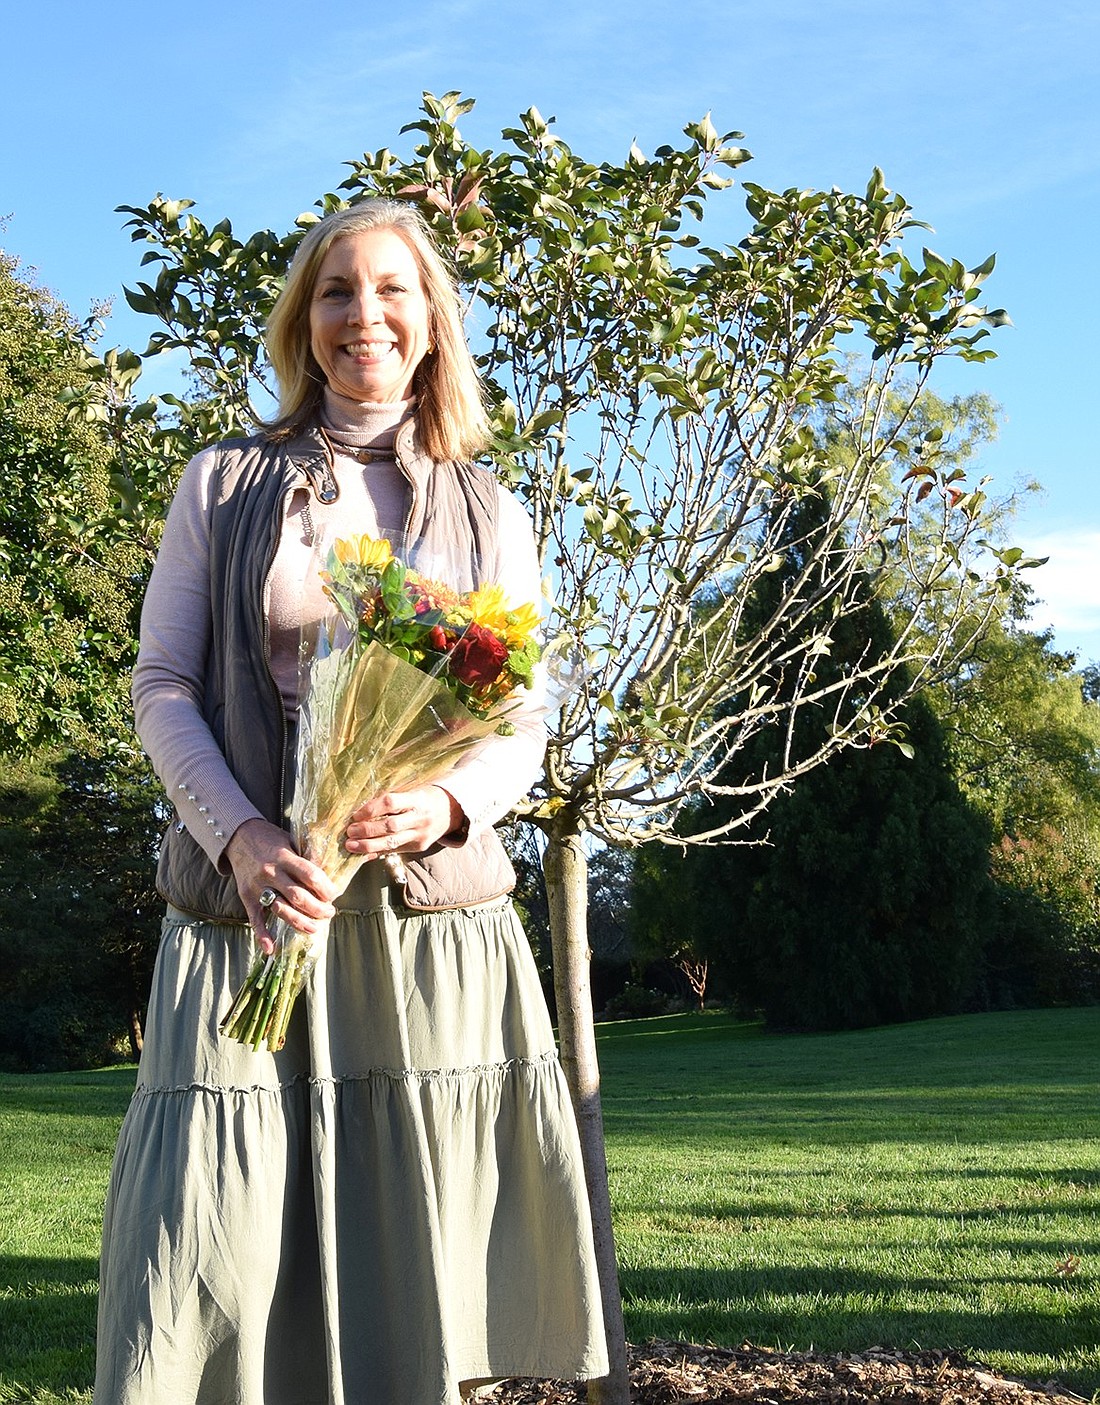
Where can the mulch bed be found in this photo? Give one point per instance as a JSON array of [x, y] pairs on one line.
[[678, 1373]]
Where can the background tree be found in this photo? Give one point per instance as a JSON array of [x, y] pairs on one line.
[[870, 903], [90, 473], [657, 404], [672, 918], [861, 895], [966, 876], [79, 916], [1024, 735], [1024, 739], [610, 933], [86, 485]]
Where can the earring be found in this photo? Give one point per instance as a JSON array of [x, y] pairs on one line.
[[430, 348]]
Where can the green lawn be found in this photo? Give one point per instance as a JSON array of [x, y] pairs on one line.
[[57, 1133], [920, 1184], [913, 1185]]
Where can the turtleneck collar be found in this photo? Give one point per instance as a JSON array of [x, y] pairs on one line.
[[364, 425]]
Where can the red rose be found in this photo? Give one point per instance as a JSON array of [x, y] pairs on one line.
[[478, 657], [436, 638]]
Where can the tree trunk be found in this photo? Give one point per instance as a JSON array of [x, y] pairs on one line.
[[566, 870], [137, 1041]]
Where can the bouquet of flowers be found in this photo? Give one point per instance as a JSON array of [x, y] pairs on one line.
[[405, 676]]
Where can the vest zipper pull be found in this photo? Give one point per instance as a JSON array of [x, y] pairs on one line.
[[328, 491]]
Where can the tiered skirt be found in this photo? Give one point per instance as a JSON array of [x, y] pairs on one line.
[[389, 1206]]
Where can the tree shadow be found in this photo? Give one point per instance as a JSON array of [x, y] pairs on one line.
[[1025, 1192], [47, 1324]]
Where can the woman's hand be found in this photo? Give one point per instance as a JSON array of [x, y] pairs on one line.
[[261, 856], [403, 822]]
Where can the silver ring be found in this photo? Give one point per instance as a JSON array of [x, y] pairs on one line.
[[391, 843], [267, 897]]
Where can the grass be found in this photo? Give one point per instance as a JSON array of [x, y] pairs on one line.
[[913, 1185], [57, 1133]]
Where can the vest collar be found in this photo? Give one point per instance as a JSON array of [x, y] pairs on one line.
[[310, 455]]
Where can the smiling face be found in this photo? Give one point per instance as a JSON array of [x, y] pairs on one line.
[[369, 320]]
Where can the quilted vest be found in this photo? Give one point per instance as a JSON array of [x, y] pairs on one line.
[[453, 511]]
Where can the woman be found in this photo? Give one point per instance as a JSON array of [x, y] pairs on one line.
[[391, 1208]]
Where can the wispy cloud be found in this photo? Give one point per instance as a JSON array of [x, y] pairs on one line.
[[1068, 588]]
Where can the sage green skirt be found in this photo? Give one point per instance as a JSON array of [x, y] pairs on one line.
[[390, 1205]]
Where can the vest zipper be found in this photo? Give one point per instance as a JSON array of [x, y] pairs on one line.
[[414, 487], [265, 632]]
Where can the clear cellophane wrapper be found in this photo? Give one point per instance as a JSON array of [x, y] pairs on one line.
[[370, 722]]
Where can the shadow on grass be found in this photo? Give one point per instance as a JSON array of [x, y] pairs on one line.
[[47, 1325], [843, 1310], [1030, 1198], [776, 1118]]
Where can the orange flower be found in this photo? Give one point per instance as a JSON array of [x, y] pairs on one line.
[[434, 594]]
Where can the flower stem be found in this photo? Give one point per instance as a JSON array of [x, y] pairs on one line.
[[241, 1000], [276, 1037], [267, 1004]]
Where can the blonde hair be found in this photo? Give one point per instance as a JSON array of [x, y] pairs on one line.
[[451, 418]]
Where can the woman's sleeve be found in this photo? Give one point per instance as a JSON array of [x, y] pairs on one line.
[[489, 780], [169, 675]]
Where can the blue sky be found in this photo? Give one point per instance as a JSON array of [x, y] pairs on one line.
[[984, 114]]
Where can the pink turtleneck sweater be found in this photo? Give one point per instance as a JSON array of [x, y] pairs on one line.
[[175, 628]]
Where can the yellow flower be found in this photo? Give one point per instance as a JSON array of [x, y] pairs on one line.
[[370, 552], [523, 623], [487, 607], [514, 624]]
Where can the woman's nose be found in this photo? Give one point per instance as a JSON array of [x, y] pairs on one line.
[[364, 308]]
